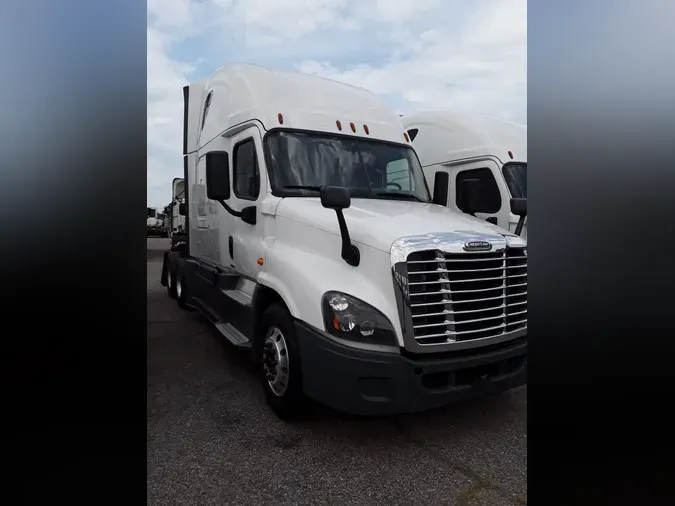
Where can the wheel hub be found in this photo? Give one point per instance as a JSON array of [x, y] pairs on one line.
[[275, 361]]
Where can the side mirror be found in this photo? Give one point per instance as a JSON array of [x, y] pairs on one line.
[[335, 197], [217, 175], [181, 209], [338, 198], [471, 196], [441, 184], [519, 207], [248, 215]]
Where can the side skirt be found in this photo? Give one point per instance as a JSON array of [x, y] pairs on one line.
[[224, 298]]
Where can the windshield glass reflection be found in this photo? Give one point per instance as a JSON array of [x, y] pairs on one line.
[[303, 162]]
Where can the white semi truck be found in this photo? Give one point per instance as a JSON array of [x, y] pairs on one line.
[[314, 243], [177, 209], [491, 151], [177, 198]]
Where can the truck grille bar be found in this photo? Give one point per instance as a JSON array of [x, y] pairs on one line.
[[457, 297]]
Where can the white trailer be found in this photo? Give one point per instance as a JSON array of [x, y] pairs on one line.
[[155, 225], [314, 243], [490, 151]]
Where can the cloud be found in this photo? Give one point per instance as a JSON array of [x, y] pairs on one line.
[[454, 54]]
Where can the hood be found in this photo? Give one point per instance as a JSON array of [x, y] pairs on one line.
[[378, 223]]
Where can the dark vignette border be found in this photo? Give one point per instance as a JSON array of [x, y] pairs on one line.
[[601, 277], [73, 93], [601, 123]]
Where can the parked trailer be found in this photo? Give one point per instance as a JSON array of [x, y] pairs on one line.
[[155, 224], [345, 280]]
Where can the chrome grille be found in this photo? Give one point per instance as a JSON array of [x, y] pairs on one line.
[[465, 296]]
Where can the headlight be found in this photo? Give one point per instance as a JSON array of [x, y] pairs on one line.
[[349, 318]]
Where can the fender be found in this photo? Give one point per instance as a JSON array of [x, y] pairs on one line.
[[266, 281], [306, 264]]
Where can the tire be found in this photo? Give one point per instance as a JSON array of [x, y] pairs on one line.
[[181, 290], [171, 280], [280, 352]]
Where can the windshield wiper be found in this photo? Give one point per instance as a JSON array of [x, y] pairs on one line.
[[398, 195], [302, 187]]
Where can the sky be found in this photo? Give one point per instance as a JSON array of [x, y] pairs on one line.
[[464, 55]]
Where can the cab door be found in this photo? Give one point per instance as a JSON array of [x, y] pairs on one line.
[[249, 188]]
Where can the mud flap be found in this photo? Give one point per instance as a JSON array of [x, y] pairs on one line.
[[164, 278]]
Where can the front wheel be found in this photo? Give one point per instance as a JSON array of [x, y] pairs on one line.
[[281, 368], [171, 280]]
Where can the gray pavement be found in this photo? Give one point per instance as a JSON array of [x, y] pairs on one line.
[[212, 440]]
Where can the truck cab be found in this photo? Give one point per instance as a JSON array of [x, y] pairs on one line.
[[315, 244], [491, 150], [177, 198]]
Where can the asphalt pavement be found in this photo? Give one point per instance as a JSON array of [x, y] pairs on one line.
[[212, 439]]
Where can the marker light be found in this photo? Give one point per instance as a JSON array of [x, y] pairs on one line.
[[510, 155], [353, 127], [339, 125], [280, 118], [365, 129]]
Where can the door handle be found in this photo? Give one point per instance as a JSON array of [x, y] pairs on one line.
[[231, 247]]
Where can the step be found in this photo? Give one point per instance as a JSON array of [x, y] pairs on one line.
[[228, 280], [242, 298], [233, 335]]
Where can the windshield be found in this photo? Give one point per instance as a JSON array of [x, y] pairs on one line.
[[515, 175], [302, 162]]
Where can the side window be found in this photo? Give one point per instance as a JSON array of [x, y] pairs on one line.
[[412, 133], [490, 199], [398, 174], [207, 104], [246, 175]]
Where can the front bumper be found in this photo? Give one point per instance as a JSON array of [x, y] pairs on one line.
[[375, 383]]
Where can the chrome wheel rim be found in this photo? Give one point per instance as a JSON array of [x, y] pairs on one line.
[[275, 361]]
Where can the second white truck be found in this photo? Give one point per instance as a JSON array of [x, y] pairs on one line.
[[177, 198], [314, 243], [491, 151]]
